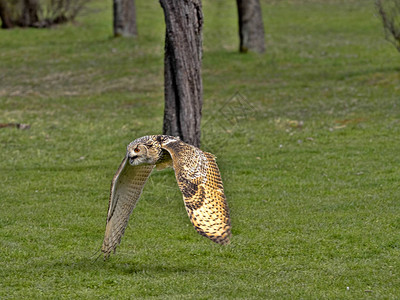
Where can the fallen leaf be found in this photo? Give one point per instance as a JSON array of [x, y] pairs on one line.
[[15, 125]]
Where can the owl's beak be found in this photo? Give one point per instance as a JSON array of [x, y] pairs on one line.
[[132, 159]]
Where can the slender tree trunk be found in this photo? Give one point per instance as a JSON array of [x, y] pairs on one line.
[[251, 27], [124, 18], [5, 15], [29, 13], [182, 62]]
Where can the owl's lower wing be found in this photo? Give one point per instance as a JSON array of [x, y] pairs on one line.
[[200, 182], [126, 188]]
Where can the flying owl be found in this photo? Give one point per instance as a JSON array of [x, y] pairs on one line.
[[198, 179]]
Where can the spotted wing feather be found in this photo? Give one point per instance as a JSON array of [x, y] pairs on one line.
[[200, 182], [126, 188]]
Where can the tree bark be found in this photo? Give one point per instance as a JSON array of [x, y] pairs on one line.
[[124, 18], [182, 73], [5, 15], [251, 27]]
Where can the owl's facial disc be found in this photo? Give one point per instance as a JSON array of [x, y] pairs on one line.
[[138, 154]]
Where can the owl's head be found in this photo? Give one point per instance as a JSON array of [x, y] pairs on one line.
[[145, 150]]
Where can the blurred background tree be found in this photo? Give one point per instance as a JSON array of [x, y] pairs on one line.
[[38, 13], [124, 14], [389, 11], [251, 26]]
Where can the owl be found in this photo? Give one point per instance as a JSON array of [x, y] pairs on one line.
[[198, 179]]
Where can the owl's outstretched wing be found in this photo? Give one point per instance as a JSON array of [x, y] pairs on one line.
[[126, 188], [200, 182]]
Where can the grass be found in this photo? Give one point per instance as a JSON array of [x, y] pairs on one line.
[[308, 152]]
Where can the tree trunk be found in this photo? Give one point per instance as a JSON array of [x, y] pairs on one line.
[[29, 13], [182, 63], [251, 27], [124, 18], [5, 15]]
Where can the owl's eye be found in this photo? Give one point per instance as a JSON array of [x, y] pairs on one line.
[[136, 150]]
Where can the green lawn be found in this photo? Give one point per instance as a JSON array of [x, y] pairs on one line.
[[308, 146]]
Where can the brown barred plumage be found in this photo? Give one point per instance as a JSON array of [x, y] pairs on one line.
[[198, 178]]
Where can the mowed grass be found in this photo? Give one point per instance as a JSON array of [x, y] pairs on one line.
[[306, 136]]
